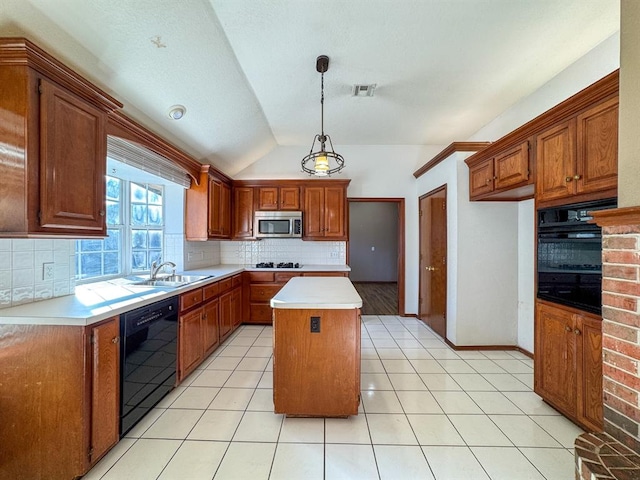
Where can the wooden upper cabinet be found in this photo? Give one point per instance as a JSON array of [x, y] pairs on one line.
[[208, 207], [73, 161], [496, 177], [324, 213], [278, 198], [511, 168], [242, 212], [53, 163], [481, 179], [597, 159], [555, 162]]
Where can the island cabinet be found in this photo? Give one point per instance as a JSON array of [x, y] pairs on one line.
[[208, 207], [568, 362], [60, 398], [278, 198], [198, 327], [53, 133], [316, 348], [504, 173], [579, 156], [324, 215]]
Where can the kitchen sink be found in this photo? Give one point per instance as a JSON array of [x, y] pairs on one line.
[[170, 281]]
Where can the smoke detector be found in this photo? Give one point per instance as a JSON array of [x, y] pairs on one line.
[[176, 112], [364, 90]]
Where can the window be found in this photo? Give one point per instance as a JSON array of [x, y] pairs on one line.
[[135, 229]]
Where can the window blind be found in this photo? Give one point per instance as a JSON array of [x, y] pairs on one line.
[[144, 159]]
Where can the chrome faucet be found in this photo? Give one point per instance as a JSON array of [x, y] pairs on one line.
[[156, 268]]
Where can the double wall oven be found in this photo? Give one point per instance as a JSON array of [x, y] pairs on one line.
[[569, 255]]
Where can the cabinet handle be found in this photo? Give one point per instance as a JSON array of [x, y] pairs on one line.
[[102, 213], [568, 179], [431, 269], [488, 180], [567, 328], [577, 332], [577, 177], [115, 339]]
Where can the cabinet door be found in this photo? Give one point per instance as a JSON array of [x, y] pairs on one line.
[[289, 198], [226, 320], [243, 212], [597, 160], [215, 196], [73, 155], [313, 217], [334, 218], [555, 360], [225, 210], [236, 307], [481, 179], [555, 162], [589, 339], [268, 198], [105, 397], [189, 342], [210, 326], [511, 168]]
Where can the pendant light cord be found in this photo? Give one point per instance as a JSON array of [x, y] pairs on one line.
[[322, 107]]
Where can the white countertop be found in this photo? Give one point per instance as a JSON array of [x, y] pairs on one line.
[[95, 302], [334, 293]]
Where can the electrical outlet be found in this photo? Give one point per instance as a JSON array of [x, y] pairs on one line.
[[47, 271], [315, 324], [333, 254]]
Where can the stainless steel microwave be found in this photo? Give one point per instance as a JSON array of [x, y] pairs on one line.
[[278, 224]]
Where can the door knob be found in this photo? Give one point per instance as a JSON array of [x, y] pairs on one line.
[[568, 179], [577, 177], [567, 328]]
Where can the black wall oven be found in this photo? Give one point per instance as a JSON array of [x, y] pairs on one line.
[[569, 252]]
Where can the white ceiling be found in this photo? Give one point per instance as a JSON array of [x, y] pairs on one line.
[[245, 69]]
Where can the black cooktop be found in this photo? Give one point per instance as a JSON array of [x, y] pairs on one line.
[[279, 265]]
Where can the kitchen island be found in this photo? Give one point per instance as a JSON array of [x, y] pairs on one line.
[[316, 347]]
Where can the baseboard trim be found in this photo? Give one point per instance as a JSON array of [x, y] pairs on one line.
[[489, 347]]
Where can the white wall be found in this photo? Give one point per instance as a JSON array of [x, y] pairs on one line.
[[481, 257]]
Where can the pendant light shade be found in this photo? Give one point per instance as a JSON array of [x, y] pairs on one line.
[[322, 162]]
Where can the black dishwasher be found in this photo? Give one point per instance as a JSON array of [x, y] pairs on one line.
[[148, 359]]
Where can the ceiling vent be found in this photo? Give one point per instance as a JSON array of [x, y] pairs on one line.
[[364, 90]]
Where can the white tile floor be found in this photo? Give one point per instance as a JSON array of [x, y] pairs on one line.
[[427, 412]]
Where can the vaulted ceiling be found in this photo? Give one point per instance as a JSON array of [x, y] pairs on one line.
[[245, 69]]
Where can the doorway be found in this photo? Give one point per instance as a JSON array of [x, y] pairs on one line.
[[376, 253], [433, 260]]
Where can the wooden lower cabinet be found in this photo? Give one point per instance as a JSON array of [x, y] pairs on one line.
[[210, 326], [189, 342], [568, 362], [59, 398]]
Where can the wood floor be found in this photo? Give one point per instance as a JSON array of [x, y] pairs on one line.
[[378, 298]]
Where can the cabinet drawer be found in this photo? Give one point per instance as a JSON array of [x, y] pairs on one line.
[[263, 293], [325, 274], [190, 299], [255, 277], [286, 276], [260, 312], [236, 280], [211, 290], [224, 285]]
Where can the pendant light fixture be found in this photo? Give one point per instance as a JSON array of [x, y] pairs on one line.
[[323, 162]]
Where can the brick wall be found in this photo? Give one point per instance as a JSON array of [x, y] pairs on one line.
[[621, 333]]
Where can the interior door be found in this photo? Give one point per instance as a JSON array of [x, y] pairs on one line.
[[433, 260]]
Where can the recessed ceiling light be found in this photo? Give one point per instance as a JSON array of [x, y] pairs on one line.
[[177, 112], [364, 90]]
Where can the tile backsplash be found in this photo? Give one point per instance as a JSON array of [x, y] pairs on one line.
[[22, 271], [283, 250]]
